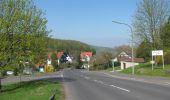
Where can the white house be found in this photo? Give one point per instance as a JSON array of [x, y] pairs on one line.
[[125, 60]]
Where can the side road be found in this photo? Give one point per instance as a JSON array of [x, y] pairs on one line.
[[147, 79], [36, 76]]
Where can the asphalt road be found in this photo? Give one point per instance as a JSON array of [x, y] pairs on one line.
[[84, 85]]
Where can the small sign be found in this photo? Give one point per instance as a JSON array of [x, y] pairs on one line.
[[49, 62], [157, 52]]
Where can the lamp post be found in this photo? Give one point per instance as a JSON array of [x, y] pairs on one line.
[[133, 68]]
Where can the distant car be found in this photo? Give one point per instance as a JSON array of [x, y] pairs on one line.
[[9, 72]]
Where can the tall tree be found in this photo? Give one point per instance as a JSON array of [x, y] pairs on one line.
[[165, 35], [149, 18], [23, 32], [143, 51]]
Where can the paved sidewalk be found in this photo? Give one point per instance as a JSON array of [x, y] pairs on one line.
[[15, 79], [148, 79]]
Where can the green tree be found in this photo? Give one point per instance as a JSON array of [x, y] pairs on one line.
[[23, 33], [148, 20], [73, 48], [165, 35], [102, 60], [144, 50]]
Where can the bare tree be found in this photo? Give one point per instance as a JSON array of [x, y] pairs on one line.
[[149, 18]]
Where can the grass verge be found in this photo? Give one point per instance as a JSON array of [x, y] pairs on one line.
[[115, 68], [33, 90], [146, 69]]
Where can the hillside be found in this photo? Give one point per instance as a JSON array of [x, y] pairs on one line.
[[103, 49], [71, 47]]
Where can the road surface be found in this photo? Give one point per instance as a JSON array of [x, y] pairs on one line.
[[84, 85]]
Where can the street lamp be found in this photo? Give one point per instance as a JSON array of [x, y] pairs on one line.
[[133, 68]]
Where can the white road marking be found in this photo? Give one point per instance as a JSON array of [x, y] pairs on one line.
[[62, 75], [95, 80], [120, 88], [167, 83], [101, 82], [87, 77]]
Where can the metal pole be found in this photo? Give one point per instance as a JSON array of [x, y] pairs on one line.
[[152, 62], [113, 66], [163, 62], [133, 67]]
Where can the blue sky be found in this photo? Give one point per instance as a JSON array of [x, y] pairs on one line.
[[90, 21]]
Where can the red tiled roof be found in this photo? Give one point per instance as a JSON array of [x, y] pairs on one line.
[[49, 55], [59, 54], [83, 54]]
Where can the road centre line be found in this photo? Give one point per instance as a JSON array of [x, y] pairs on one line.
[[103, 83], [98, 81], [167, 83], [87, 77], [120, 88]]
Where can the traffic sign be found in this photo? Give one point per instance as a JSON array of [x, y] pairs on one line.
[[157, 52]]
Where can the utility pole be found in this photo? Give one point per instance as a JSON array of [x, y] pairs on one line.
[[133, 67]]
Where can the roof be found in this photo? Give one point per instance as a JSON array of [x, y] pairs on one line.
[[49, 55], [84, 54], [126, 59], [59, 54], [128, 52]]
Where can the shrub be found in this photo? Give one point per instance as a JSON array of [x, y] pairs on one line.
[[167, 72], [16, 70], [3, 73], [167, 57]]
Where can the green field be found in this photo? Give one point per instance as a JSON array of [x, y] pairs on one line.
[[33, 90], [146, 69]]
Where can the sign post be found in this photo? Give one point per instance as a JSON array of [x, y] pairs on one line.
[[113, 65], [157, 53]]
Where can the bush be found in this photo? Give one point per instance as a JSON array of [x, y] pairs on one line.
[[167, 57], [16, 70], [3, 73], [64, 65], [75, 64], [167, 72]]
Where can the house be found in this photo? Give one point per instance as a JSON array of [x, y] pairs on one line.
[[125, 60], [85, 58]]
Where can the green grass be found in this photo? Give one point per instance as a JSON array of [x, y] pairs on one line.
[[146, 69], [115, 68], [33, 90]]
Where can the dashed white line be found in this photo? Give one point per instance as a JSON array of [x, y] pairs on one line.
[[87, 77], [101, 82], [98, 81], [120, 88], [95, 80], [62, 75], [167, 83]]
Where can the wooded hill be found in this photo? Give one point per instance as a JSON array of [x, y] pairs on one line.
[[71, 47]]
